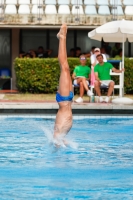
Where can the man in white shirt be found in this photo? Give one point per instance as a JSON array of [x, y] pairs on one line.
[[93, 58]]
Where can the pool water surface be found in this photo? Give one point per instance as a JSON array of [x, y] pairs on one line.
[[97, 165]]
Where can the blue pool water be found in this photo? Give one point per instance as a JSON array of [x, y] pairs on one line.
[[98, 165]]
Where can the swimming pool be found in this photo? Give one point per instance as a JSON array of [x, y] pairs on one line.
[[97, 165]]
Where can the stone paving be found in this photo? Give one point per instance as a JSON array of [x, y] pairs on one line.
[[7, 106]]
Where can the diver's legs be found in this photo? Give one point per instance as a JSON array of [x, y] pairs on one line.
[[65, 82]]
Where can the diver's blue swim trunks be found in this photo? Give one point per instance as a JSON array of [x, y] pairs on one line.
[[60, 98]]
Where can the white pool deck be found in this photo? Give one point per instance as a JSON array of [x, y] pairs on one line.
[[54, 105], [51, 108]]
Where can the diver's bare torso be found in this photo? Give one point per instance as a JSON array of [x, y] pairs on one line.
[[63, 122]]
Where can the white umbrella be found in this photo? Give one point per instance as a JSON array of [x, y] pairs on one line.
[[114, 31]]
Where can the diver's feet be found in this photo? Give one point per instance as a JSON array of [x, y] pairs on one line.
[[59, 143], [63, 31]]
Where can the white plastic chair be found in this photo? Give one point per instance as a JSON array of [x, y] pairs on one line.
[[10, 9], [77, 9], [2, 17], [103, 14], [24, 2], [63, 2], [78, 14], [24, 9], [102, 2], [50, 9], [64, 14], [50, 2], [91, 16], [90, 10], [75, 2], [103, 10], [121, 81], [50, 14], [24, 13], [37, 13], [118, 10], [128, 2], [1, 12], [115, 2], [37, 2], [10, 14], [129, 10], [87, 2], [64, 9], [36, 10], [1, 1], [11, 2]]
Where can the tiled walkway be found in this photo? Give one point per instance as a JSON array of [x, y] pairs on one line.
[[51, 107]]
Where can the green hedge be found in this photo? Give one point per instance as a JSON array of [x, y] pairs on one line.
[[42, 75]]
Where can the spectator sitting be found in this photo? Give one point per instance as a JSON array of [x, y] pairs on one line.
[[21, 54], [92, 50], [115, 49], [102, 76], [107, 48], [103, 51], [88, 55], [72, 52], [81, 76], [41, 53], [30, 54], [119, 55], [93, 57], [78, 52], [94, 61], [27, 55]]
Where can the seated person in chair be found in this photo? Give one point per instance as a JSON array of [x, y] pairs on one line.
[[102, 77], [81, 76], [94, 61], [41, 53]]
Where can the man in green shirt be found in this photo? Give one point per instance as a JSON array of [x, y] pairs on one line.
[[102, 76], [81, 76]]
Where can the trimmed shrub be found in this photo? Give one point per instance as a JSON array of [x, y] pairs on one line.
[[42, 75], [39, 75]]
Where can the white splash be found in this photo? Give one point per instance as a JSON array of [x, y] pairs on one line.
[[60, 141]]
